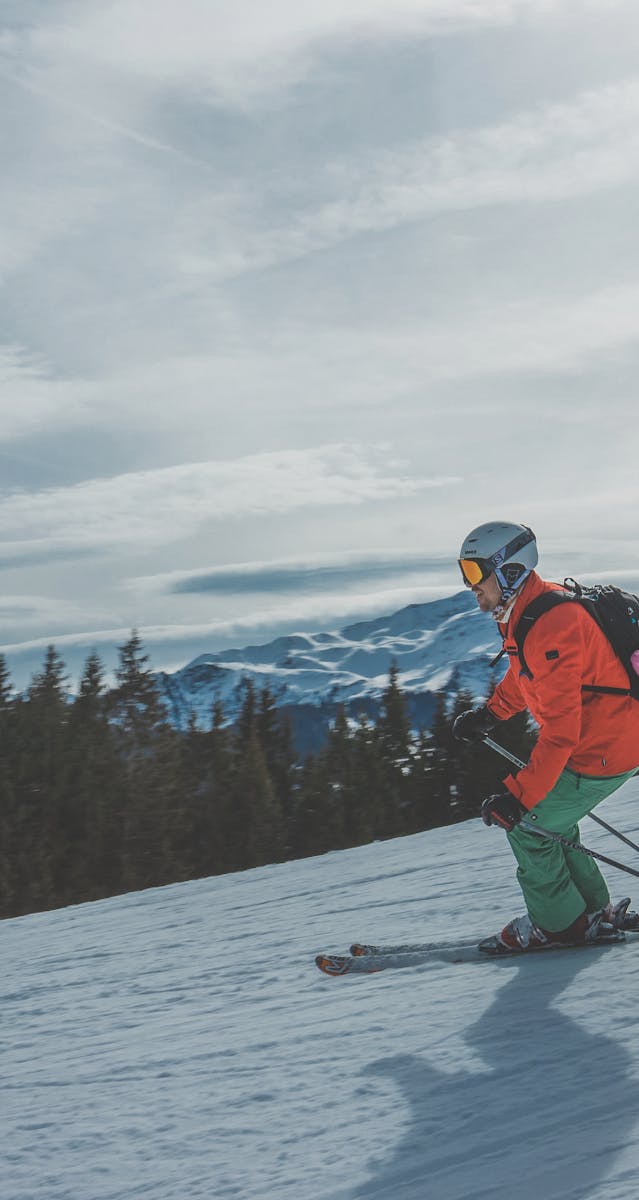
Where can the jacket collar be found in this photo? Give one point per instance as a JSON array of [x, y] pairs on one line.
[[533, 587]]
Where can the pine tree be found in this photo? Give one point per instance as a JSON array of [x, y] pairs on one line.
[[48, 686], [346, 802], [393, 724], [258, 824], [367, 799], [310, 831], [10, 825], [41, 745], [6, 689], [395, 748], [150, 751], [444, 778], [95, 786], [135, 704], [252, 823], [273, 729], [428, 804], [199, 850], [246, 724], [220, 744]]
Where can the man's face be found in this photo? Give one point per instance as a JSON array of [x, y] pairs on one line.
[[488, 593]]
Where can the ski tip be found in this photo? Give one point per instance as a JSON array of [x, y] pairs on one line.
[[332, 964]]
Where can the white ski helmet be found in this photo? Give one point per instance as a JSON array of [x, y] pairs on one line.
[[508, 550]]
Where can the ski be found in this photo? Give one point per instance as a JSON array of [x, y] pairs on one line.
[[364, 949], [369, 964], [369, 959]]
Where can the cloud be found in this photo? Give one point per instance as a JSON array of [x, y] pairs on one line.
[[308, 614], [33, 398], [318, 573], [40, 551], [152, 508], [530, 336], [35, 219], [93, 79], [304, 614], [554, 152], [340, 368], [241, 53], [20, 613]]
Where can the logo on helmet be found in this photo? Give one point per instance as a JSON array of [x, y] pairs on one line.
[[512, 573]]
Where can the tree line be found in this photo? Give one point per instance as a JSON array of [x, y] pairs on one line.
[[100, 794]]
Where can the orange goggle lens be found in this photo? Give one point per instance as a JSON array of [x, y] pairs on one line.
[[474, 572]]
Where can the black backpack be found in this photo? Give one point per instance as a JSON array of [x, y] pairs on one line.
[[616, 613]]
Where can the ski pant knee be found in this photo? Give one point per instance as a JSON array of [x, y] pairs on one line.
[[558, 884]]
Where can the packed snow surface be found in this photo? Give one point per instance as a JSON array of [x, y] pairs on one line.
[[180, 1043]]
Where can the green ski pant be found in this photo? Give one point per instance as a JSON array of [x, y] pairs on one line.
[[558, 884]]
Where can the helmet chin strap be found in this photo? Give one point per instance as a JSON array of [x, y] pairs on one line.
[[510, 589], [508, 595]]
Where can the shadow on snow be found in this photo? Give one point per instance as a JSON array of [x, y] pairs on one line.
[[546, 1118]]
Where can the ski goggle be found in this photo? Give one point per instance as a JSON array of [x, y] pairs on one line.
[[477, 570]]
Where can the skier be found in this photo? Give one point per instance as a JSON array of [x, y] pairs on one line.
[[588, 743]]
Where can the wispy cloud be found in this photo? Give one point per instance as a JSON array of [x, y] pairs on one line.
[[551, 153], [524, 336], [303, 613], [20, 612], [40, 551], [238, 54], [341, 367], [156, 507], [32, 398], [104, 80], [320, 572]]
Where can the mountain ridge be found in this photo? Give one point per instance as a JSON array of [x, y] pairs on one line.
[[444, 644]]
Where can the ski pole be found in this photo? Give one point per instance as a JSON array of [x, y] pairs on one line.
[[517, 762], [557, 837]]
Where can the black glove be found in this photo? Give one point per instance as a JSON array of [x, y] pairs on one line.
[[502, 809], [473, 724]]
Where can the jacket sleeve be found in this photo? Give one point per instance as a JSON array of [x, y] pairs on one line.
[[555, 655]]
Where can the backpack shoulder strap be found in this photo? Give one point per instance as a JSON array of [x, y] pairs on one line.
[[543, 604], [531, 613]]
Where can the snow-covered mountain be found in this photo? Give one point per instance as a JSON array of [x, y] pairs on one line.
[[180, 1044], [439, 645]]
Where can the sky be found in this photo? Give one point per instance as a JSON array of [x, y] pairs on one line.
[[293, 296]]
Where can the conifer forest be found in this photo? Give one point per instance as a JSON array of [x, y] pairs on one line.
[[100, 794]]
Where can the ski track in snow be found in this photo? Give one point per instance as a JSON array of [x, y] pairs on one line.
[[180, 1043]]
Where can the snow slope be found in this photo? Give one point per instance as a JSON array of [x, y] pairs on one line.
[[180, 1043]]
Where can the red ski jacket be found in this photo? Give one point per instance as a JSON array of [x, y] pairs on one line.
[[589, 732]]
